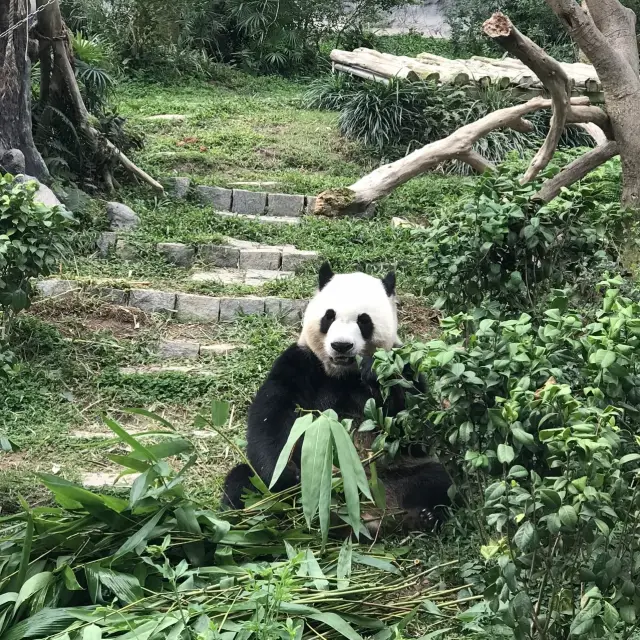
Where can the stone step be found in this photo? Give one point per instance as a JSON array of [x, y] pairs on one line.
[[250, 277], [107, 479], [258, 218], [233, 254], [185, 307], [190, 349], [159, 369], [198, 434]]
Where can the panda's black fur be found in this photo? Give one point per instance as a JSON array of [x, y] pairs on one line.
[[416, 485]]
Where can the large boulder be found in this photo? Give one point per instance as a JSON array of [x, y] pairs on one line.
[[12, 161], [121, 217], [44, 195]]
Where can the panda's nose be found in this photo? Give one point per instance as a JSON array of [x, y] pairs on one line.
[[342, 347]]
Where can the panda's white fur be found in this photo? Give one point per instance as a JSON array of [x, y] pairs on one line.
[[349, 295]]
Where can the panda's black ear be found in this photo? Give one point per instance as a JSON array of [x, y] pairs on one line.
[[389, 283], [325, 275]]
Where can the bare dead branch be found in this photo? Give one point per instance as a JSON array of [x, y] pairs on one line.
[[552, 75], [582, 114], [477, 162], [594, 131], [577, 170]]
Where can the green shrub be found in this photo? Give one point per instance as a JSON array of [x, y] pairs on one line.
[[538, 422], [31, 243], [394, 119], [505, 248]]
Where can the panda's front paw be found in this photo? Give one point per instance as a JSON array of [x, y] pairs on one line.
[[428, 520]]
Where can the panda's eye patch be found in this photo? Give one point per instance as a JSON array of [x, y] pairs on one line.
[[366, 325], [327, 319]]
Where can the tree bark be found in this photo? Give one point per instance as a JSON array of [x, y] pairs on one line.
[[606, 34], [15, 87]]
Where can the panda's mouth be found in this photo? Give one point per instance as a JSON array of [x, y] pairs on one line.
[[343, 361]]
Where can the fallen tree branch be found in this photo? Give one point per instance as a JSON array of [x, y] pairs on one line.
[[457, 146], [577, 170]]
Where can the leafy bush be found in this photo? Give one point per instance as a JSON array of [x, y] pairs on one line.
[[539, 421], [269, 36], [31, 242], [394, 119], [505, 248]]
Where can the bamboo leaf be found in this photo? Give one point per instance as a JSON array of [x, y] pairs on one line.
[[92, 632], [334, 621], [129, 439], [315, 466], [130, 462], [219, 413], [140, 536], [32, 586], [298, 429], [377, 563], [152, 416], [343, 570], [315, 572]]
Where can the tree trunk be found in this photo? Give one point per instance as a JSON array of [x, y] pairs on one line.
[[606, 34], [15, 87]]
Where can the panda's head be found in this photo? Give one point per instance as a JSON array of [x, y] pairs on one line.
[[352, 314]]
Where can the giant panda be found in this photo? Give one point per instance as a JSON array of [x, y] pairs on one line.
[[351, 315]]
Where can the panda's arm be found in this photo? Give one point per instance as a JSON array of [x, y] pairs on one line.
[[272, 415]]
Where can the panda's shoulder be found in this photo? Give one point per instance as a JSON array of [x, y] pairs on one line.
[[296, 363]]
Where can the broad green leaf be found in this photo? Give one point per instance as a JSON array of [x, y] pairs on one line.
[[525, 536], [316, 465], [72, 496], [70, 580], [610, 616], [130, 462], [298, 429], [630, 457], [167, 448], [343, 570], [25, 557], [124, 586], [585, 618], [568, 516], [141, 535], [376, 563], [505, 453], [32, 586], [43, 624]]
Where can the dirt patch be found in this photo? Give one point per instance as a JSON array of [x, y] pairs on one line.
[[417, 319], [73, 316]]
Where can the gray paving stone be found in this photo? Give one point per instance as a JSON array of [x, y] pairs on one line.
[[260, 259], [267, 219], [109, 294], [178, 186], [56, 288], [241, 244], [311, 205], [292, 310], [175, 117], [257, 277], [217, 197], [182, 255], [190, 307], [219, 256], [231, 307], [160, 369], [221, 349], [106, 242], [224, 276], [179, 349], [294, 258], [152, 301], [283, 204], [107, 479], [251, 202]]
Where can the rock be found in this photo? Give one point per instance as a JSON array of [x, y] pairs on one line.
[[56, 288], [270, 259], [221, 349], [171, 117], [182, 255], [179, 349], [160, 369], [223, 276], [241, 244], [106, 242], [152, 301], [250, 183], [219, 256], [251, 202], [121, 217], [217, 197], [294, 258], [12, 161], [43, 195], [282, 204], [400, 223], [194, 308], [231, 307], [75, 199], [257, 277], [289, 310], [179, 187], [126, 250]]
